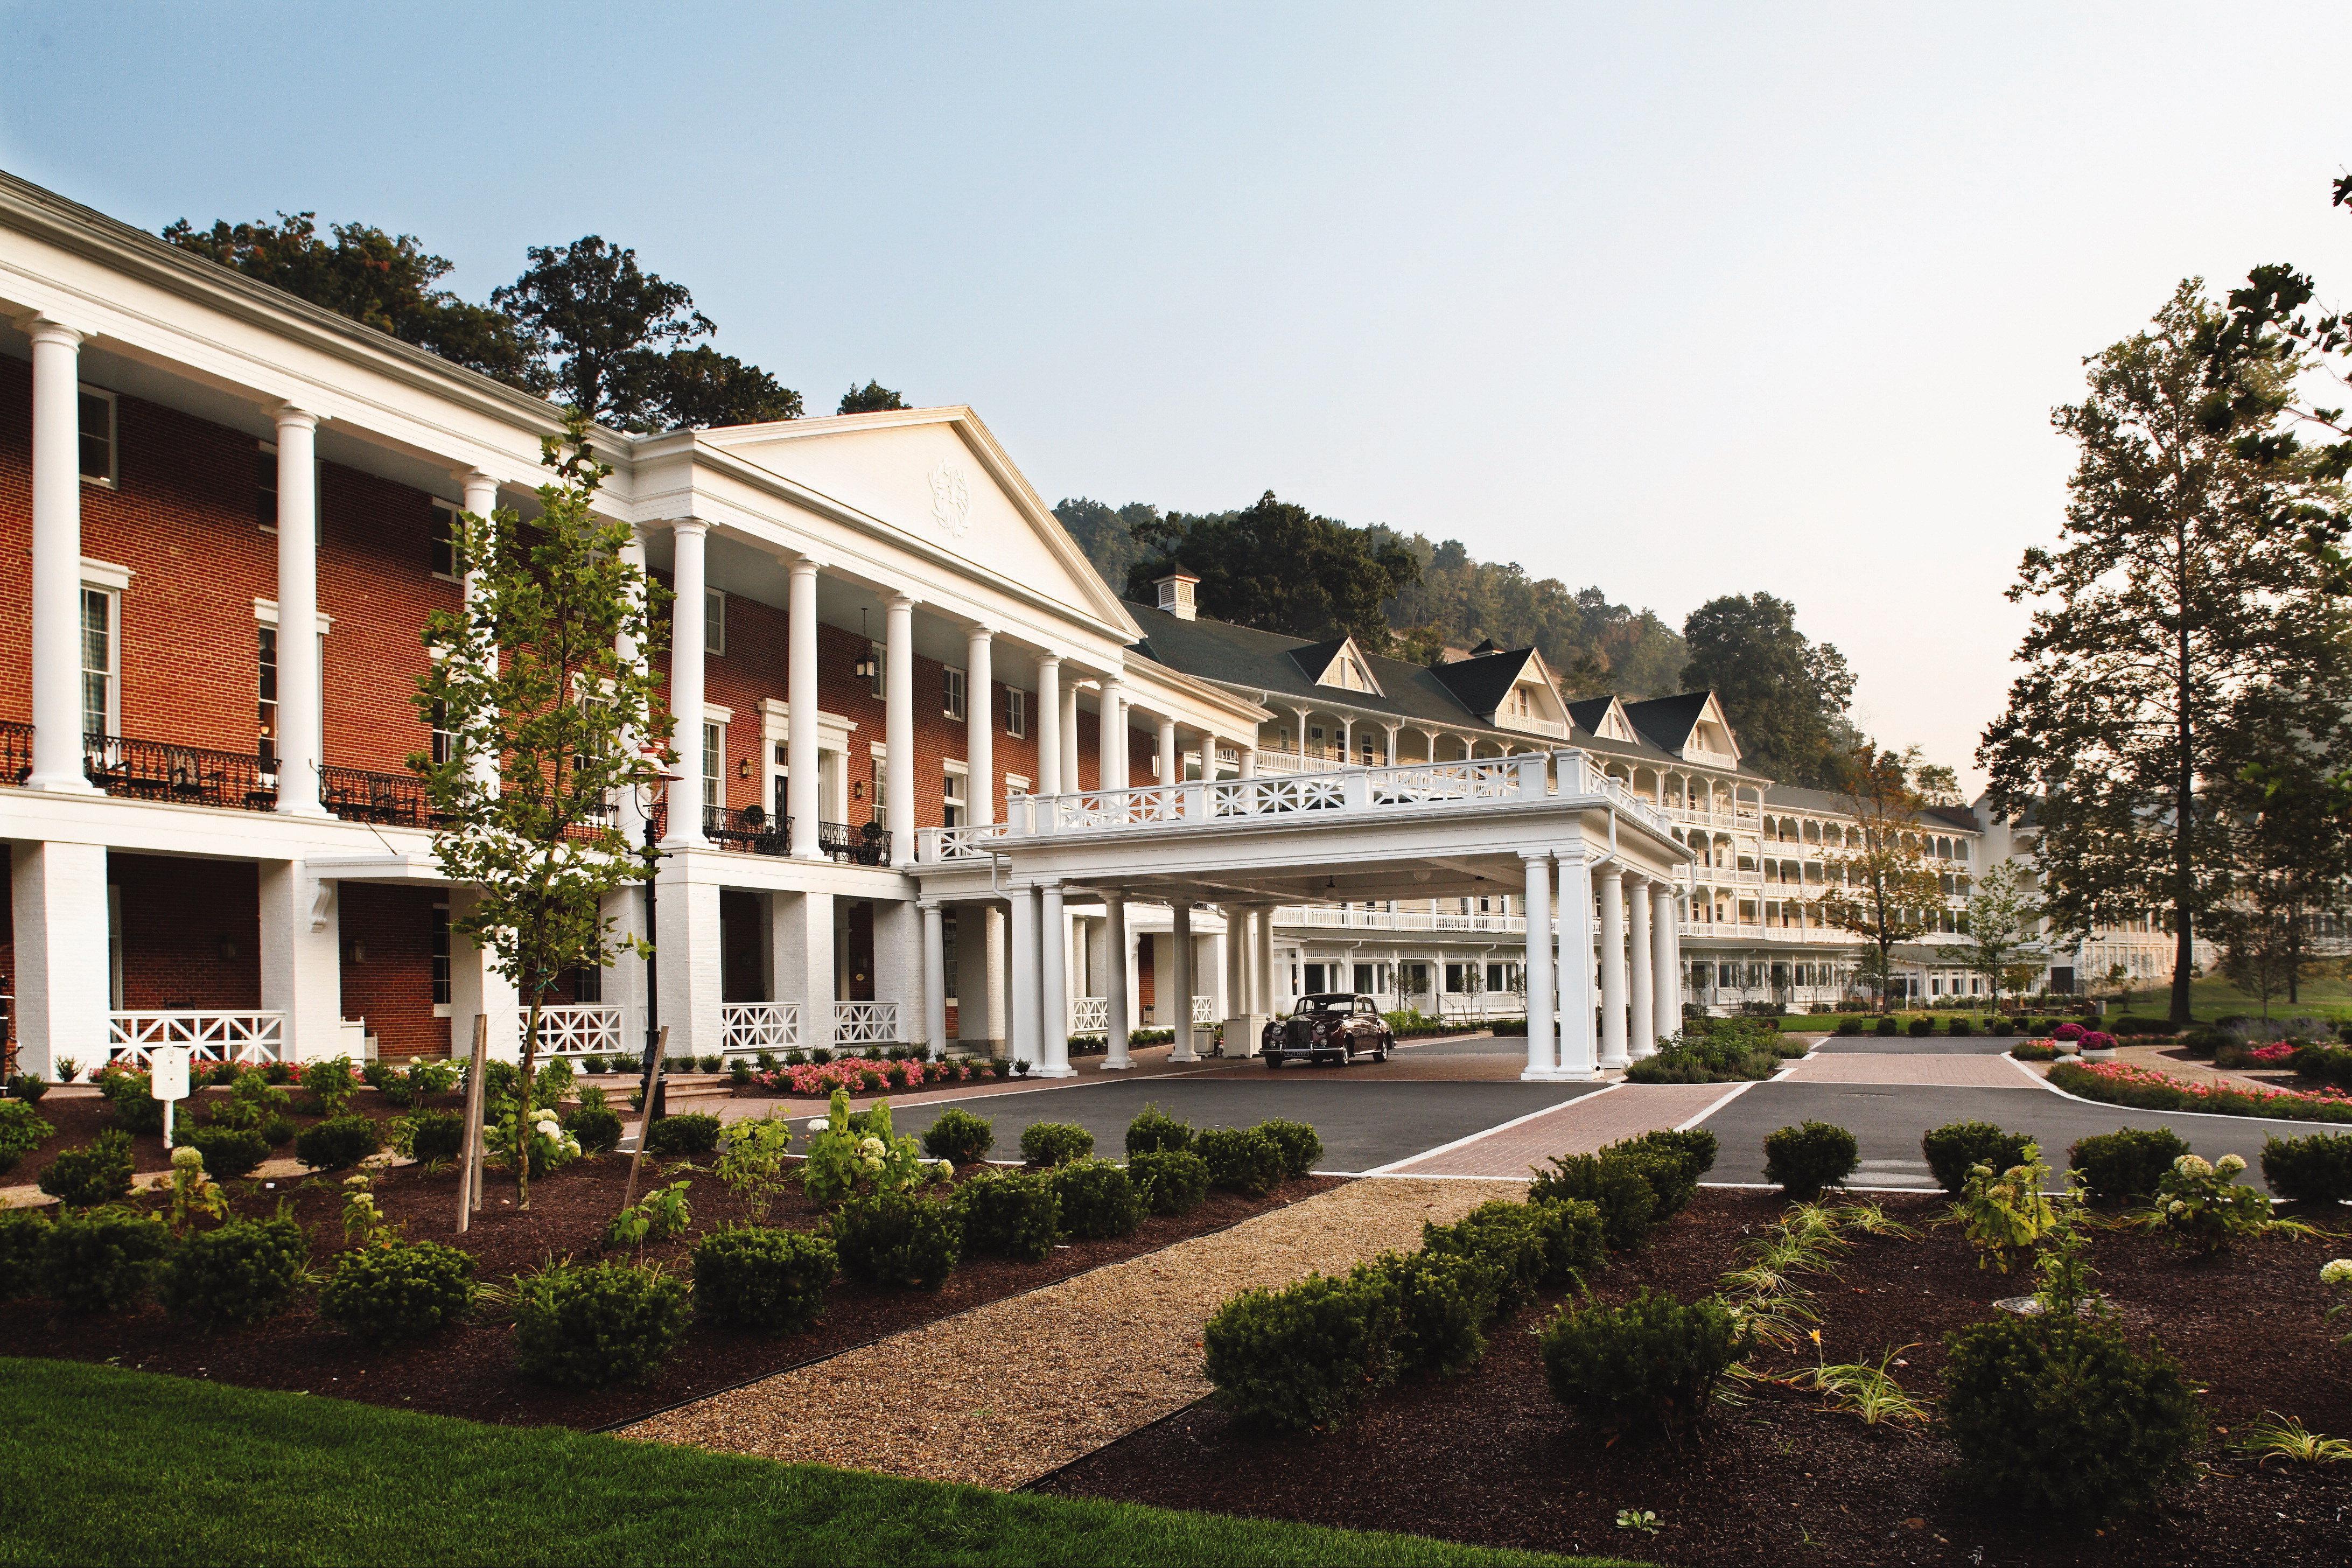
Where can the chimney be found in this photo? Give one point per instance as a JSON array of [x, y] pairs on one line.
[[1176, 593]]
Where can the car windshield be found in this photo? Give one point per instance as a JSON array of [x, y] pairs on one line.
[[1334, 1003]]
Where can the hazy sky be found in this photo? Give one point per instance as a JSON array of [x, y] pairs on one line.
[[1682, 303]]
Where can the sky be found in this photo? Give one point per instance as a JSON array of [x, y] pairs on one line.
[[1675, 301]]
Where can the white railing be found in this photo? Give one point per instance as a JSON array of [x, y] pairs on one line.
[[1324, 791], [1479, 1006], [1419, 783], [866, 1022], [210, 1036], [1204, 1009], [1292, 763], [966, 843], [1110, 808], [1089, 1015], [1328, 917], [747, 1027], [576, 1029]]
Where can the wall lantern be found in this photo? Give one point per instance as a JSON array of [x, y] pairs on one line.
[[743, 767], [867, 669]]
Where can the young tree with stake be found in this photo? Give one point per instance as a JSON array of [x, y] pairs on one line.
[[2003, 916], [547, 724], [1883, 888]]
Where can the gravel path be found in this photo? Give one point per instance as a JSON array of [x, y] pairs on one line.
[[1002, 1393]]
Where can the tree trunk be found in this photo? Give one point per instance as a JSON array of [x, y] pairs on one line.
[[524, 1096], [2184, 803]]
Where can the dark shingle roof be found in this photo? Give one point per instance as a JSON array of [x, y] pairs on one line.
[[1483, 681], [1586, 712], [1668, 720]]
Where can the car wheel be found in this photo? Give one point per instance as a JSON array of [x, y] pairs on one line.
[[1272, 1062]]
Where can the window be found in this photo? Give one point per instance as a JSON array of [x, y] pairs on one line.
[[1016, 712], [268, 639], [952, 800], [952, 697], [587, 984], [440, 956], [1365, 985], [265, 486], [444, 739], [1494, 981], [98, 694], [948, 954], [714, 621], [881, 790], [97, 412], [442, 554], [714, 764], [881, 658]]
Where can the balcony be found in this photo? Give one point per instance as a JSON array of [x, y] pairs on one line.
[[752, 830], [182, 775]]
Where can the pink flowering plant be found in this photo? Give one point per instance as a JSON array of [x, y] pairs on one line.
[[861, 1075], [2123, 1083], [2068, 1032], [2097, 1040], [2270, 1054]]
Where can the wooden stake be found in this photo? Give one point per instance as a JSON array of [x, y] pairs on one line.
[[469, 1177], [645, 1119]]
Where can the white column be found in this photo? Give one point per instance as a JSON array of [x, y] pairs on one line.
[[1612, 965], [1115, 992], [688, 537], [481, 497], [478, 990], [1113, 738], [801, 801], [58, 896], [898, 735], [1072, 775], [1052, 982], [56, 594], [1541, 1066], [1577, 1056], [1048, 719], [299, 752], [1249, 760], [1641, 993], [801, 927], [301, 959], [1028, 1006], [980, 727], [1666, 977], [935, 977], [1266, 995], [1180, 943], [1172, 768]]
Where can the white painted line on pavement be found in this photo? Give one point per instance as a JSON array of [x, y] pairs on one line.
[[1737, 1089], [1490, 1132]]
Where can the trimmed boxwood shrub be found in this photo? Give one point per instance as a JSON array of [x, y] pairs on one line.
[[1155, 1131], [1013, 1213], [1528, 1244], [1302, 1357], [2123, 1166], [898, 1238], [1445, 1301], [1098, 1202], [22, 1233], [338, 1144], [403, 1291], [1885, 1025], [103, 1260], [229, 1152], [1958, 1027], [22, 1130], [1848, 1026], [1242, 1159], [1805, 1159], [1618, 1186], [1301, 1144], [97, 1173], [677, 1137], [770, 1281], [1920, 1028], [958, 1137], [241, 1272], [1051, 1143], [1651, 1365], [596, 1127], [2314, 1170], [1170, 1180], [1954, 1147], [2063, 1416], [589, 1325]]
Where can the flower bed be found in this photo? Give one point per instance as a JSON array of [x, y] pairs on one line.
[[2121, 1083], [868, 1075]]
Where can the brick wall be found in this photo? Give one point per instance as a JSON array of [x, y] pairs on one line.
[[387, 967], [191, 931]]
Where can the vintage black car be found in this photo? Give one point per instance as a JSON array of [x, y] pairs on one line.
[[1333, 1026]]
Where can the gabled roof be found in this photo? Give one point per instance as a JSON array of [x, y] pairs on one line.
[[1604, 718], [1319, 661], [1481, 681], [1667, 721]]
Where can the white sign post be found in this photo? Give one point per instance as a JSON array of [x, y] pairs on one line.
[[167, 1080]]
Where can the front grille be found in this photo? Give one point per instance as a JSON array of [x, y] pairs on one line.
[[1298, 1034]]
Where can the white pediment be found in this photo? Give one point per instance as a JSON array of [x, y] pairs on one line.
[[938, 476]]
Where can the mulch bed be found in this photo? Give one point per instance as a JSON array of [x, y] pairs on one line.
[[468, 1370], [1491, 1458], [79, 1118]]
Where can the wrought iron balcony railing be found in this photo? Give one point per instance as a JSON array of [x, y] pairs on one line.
[[397, 800], [185, 775]]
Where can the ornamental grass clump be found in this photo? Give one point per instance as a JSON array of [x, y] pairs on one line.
[[398, 1291], [1808, 1159], [1242, 1159], [1155, 1131], [1957, 1147], [1051, 1143], [102, 1260], [1010, 1214], [1171, 1181], [241, 1272], [768, 1281], [898, 1238], [1304, 1357], [2125, 1165], [2314, 1170], [96, 1173], [1651, 1366], [958, 1137], [1098, 1202]]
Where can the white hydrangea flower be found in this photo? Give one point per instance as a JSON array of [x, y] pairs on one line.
[[2337, 1271], [2175, 1206], [818, 1124], [2230, 1164], [2192, 1166], [187, 1157]]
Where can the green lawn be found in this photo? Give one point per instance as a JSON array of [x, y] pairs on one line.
[[114, 1466]]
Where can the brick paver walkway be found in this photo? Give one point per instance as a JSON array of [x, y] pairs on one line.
[[1580, 1126], [1920, 1068]]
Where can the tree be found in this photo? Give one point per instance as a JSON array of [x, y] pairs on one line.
[[1883, 888], [382, 280], [601, 323], [1785, 694], [2003, 916], [542, 709], [1280, 568], [871, 398], [2282, 791], [701, 386], [2169, 598]]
